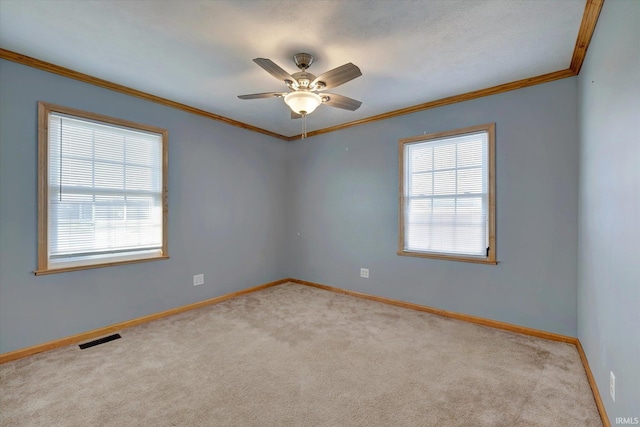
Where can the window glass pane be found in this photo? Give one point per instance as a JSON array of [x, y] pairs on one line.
[[419, 206], [109, 146], [75, 141], [140, 151], [421, 158], [76, 172], [139, 178], [470, 153], [109, 175], [140, 209], [109, 210], [470, 205], [444, 182], [444, 156], [421, 184], [470, 181]]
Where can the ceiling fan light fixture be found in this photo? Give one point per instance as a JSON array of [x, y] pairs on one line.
[[302, 101]]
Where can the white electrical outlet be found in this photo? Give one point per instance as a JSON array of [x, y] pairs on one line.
[[198, 279], [612, 386], [364, 272]]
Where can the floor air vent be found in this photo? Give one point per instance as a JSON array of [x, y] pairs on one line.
[[99, 341]]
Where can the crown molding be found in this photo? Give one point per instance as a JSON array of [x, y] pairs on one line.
[[494, 90], [587, 27], [66, 72]]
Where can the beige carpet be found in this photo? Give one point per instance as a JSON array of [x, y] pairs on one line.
[[293, 355]]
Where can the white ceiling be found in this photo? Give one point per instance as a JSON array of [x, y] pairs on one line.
[[200, 52]]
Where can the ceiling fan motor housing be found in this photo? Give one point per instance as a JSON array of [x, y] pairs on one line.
[[304, 79]]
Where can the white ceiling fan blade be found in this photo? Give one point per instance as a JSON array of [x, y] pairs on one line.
[[336, 77], [340, 101], [262, 95], [275, 70]]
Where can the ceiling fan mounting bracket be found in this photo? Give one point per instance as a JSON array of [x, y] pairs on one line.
[[303, 60]]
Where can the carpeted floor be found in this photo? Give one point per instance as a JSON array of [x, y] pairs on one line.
[[293, 355]]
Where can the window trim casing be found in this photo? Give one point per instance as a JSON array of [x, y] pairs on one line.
[[44, 109], [491, 258]]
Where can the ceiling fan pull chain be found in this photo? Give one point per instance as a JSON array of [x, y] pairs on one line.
[[304, 126]]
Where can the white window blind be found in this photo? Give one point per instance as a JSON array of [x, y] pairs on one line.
[[446, 204], [105, 190]]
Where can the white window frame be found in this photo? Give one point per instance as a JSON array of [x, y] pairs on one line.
[[45, 264], [490, 256]]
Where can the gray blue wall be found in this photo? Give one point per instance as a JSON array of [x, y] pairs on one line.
[[609, 256], [344, 211], [245, 209], [225, 215]]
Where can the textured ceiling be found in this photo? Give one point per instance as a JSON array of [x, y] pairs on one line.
[[200, 53]]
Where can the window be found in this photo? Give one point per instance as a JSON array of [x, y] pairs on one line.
[[102, 191], [447, 195]]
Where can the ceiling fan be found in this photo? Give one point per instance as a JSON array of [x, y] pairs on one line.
[[305, 89]]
